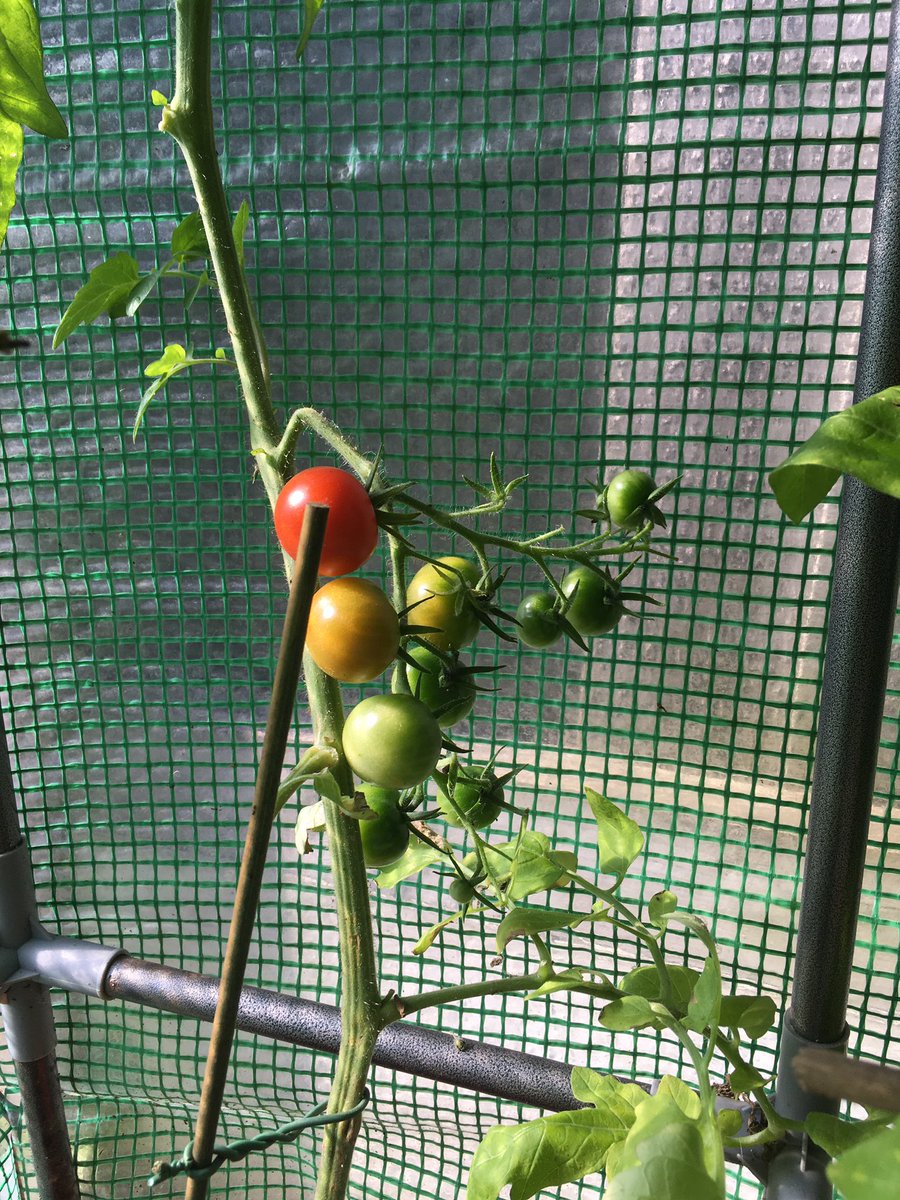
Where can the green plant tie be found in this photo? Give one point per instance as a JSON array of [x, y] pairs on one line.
[[237, 1151]]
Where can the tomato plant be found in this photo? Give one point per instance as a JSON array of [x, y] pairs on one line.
[[385, 837], [596, 603], [352, 531], [438, 598], [353, 632], [445, 687], [392, 741]]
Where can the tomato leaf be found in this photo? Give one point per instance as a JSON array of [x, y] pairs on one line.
[[870, 1170], [629, 1012], [706, 999], [559, 1148], [109, 283], [663, 1156], [140, 293], [754, 1014], [172, 357], [417, 857], [686, 1098], [534, 868], [430, 936], [660, 906], [23, 94], [644, 981], [745, 1078], [311, 9], [521, 922], [836, 1137], [189, 239], [729, 1121], [565, 981], [863, 441], [10, 158], [239, 228], [619, 839]]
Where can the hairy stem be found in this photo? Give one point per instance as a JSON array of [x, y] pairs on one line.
[[189, 119], [467, 991]]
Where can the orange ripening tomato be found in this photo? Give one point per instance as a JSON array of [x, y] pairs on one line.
[[353, 631]]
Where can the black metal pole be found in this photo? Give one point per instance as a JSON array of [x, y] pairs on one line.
[[860, 627], [42, 1102]]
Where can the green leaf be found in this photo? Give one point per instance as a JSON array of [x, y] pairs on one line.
[[629, 1012], [521, 922], [108, 284], [327, 787], [189, 239], [663, 1156], [870, 1170], [744, 1079], [311, 819], [171, 359], [158, 99], [311, 9], [754, 1014], [605, 1091], [141, 292], [644, 981], [533, 868], [23, 94], [686, 1098], [836, 1137], [863, 441], [707, 997], [660, 906], [729, 1121], [239, 229], [10, 158], [430, 936], [556, 1149], [418, 856], [565, 981], [619, 839]]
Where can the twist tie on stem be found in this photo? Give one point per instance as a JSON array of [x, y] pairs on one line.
[[237, 1151]]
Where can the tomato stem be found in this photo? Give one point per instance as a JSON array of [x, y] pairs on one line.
[[189, 119]]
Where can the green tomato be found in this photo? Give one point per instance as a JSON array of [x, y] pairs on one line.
[[439, 599], [391, 741], [626, 498], [447, 692], [478, 796], [597, 607], [386, 837], [461, 890], [540, 623]]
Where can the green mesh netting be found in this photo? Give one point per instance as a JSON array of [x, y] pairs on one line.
[[572, 231]]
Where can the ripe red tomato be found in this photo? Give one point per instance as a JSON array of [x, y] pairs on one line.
[[353, 630], [352, 530]]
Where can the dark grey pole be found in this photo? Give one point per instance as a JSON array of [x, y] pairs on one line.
[[28, 1006], [860, 628]]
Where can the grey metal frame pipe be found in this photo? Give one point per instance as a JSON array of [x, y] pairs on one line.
[[480, 1067], [26, 1006], [860, 628]]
